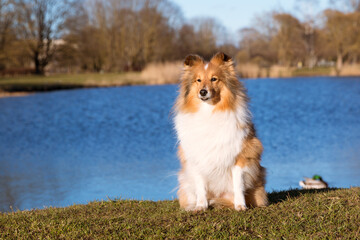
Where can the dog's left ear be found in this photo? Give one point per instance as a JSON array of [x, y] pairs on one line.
[[221, 58], [192, 60]]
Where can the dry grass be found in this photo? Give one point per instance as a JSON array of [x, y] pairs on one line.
[[162, 73], [277, 71], [349, 70], [250, 70]]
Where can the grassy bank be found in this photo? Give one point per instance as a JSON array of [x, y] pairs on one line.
[[317, 71], [35, 83], [154, 73], [292, 214]]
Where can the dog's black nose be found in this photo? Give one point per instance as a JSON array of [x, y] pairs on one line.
[[203, 92]]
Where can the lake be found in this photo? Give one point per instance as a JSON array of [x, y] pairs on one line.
[[75, 146]]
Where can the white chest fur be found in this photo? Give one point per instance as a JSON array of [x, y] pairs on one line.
[[211, 141]]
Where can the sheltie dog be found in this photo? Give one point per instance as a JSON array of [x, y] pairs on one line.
[[218, 148]]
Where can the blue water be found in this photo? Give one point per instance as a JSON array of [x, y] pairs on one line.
[[76, 146]]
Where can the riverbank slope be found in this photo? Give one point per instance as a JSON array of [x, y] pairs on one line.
[[329, 213]]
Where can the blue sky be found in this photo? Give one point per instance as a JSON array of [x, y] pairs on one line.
[[235, 14]]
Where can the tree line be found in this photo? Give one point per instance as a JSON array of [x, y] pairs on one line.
[[281, 38], [125, 35]]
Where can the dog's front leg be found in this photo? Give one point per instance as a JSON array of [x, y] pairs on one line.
[[200, 189], [239, 188]]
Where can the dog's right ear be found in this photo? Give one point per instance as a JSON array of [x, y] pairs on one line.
[[221, 58], [192, 60]]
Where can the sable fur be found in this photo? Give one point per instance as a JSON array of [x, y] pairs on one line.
[[217, 139]]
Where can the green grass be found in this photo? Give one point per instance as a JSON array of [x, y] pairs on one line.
[[294, 214], [309, 72], [34, 83]]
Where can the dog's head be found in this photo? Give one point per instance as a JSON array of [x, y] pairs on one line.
[[208, 81]]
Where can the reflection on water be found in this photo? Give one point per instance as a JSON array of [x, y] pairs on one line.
[[67, 147]]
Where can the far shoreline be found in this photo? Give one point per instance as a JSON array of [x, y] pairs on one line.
[[21, 86], [4, 94]]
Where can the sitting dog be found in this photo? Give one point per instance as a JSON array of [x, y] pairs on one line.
[[218, 148]]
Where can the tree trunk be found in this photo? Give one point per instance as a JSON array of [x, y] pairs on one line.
[[39, 69], [339, 63]]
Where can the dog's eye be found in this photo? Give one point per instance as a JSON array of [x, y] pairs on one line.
[[199, 80], [213, 79]]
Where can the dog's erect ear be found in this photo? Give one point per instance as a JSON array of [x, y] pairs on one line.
[[192, 60], [220, 58]]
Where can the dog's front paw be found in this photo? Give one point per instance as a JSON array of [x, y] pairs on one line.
[[200, 208], [201, 205], [240, 207]]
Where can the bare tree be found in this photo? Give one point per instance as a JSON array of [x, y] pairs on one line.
[[307, 10], [356, 5], [343, 30], [347, 5], [289, 39], [117, 35], [261, 35], [207, 31], [6, 22], [39, 23], [254, 44]]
